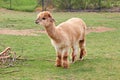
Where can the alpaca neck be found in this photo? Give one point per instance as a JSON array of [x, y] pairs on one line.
[[51, 31]]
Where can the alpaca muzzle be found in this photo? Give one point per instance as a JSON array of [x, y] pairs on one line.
[[36, 21]]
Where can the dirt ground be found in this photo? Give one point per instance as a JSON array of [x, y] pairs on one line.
[[98, 29], [32, 32]]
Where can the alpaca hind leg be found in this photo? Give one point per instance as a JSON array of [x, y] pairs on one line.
[[74, 53], [82, 48]]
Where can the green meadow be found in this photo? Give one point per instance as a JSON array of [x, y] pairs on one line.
[[103, 49]]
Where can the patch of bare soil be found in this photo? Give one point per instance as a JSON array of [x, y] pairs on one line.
[[27, 32], [32, 32], [98, 29]]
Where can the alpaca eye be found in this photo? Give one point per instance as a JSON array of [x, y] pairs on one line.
[[43, 18]]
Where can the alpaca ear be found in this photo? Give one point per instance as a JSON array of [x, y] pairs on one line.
[[49, 15], [52, 20]]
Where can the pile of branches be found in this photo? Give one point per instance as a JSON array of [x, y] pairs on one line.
[[7, 57]]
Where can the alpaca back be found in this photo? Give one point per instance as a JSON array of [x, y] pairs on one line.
[[73, 28]]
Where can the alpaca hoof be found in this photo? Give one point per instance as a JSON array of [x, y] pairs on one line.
[[80, 59], [72, 62], [58, 65], [66, 67]]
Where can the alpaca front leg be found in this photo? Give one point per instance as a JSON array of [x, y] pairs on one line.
[[58, 60], [82, 53], [65, 60]]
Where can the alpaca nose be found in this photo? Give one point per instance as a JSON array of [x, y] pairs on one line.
[[36, 21]]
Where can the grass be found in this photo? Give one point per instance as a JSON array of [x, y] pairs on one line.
[[24, 20], [101, 63]]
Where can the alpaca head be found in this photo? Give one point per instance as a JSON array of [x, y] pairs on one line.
[[44, 18]]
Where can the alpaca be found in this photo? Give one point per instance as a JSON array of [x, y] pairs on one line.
[[69, 34]]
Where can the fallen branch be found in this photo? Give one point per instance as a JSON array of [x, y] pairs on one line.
[[7, 72], [34, 59], [5, 52]]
